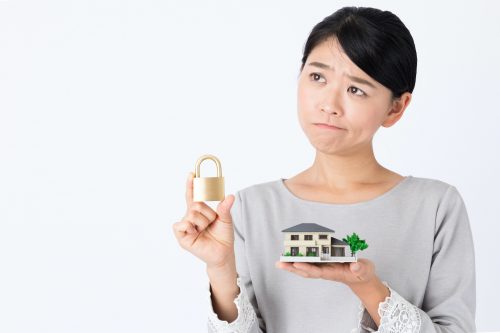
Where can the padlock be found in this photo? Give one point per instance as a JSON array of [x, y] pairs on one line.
[[208, 188]]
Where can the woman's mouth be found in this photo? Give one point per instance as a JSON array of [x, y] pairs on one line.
[[326, 126]]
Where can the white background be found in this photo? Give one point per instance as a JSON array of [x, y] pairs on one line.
[[106, 105]]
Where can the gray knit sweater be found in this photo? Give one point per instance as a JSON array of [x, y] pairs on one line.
[[419, 240]]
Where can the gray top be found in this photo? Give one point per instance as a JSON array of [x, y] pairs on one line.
[[419, 240]]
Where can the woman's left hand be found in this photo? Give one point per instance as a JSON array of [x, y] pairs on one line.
[[351, 274], [359, 276]]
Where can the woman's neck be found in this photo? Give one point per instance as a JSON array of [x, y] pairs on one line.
[[343, 172]]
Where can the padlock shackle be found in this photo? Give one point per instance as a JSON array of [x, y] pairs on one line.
[[208, 157]]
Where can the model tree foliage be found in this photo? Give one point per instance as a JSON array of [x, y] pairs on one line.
[[355, 243]]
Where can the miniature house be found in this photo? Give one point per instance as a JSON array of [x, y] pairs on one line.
[[311, 242]]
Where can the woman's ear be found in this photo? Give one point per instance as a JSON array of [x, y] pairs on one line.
[[397, 109]]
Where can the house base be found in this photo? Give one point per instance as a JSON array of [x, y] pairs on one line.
[[317, 259]]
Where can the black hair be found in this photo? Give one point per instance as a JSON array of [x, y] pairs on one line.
[[375, 40]]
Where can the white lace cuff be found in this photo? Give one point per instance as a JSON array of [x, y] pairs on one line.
[[397, 315], [242, 323]]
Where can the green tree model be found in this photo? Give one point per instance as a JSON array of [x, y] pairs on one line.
[[355, 243]]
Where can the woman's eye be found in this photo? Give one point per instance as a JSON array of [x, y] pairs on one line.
[[356, 91], [315, 76]]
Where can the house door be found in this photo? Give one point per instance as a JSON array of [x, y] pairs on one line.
[[325, 252], [295, 251]]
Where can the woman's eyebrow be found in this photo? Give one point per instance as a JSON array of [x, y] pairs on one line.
[[354, 78], [361, 81]]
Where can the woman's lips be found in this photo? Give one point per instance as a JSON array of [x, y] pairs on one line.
[[330, 127]]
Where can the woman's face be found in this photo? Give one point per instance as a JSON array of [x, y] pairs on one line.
[[341, 95]]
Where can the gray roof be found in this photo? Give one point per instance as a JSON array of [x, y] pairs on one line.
[[336, 241], [307, 227]]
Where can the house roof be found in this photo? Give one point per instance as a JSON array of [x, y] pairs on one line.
[[307, 227], [336, 241]]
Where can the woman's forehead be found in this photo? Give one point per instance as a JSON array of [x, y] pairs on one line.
[[330, 53]]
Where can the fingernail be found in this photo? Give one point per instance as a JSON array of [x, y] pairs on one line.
[[355, 266]]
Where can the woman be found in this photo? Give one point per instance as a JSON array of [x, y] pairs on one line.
[[418, 274]]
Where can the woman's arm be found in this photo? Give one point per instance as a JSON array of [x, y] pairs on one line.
[[449, 303], [240, 309], [223, 290], [210, 236]]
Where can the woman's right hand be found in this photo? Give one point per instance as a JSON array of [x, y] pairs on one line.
[[206, 233]]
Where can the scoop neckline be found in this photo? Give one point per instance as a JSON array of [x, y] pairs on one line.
[[393, 190]]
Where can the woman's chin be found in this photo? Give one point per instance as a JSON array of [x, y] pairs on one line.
[[330, 148]]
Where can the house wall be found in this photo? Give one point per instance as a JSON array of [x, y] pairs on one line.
[[303, 244], [315, 242]]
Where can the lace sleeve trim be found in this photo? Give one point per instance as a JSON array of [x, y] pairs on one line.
[[397, 315], [242, 323]]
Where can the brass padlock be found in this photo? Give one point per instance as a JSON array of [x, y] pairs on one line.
[[208, 188]]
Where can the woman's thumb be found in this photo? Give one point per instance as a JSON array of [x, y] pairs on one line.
[[360, 270], [355, 267], [224, 209]]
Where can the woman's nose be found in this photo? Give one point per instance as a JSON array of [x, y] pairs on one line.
[[332, 104]]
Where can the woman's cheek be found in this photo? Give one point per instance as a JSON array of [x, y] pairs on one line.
[[366, 119]]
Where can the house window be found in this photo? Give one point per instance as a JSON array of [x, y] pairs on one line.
[[295, 237], [325, 249], [295, 251], [338, 251], [312, 251], [308, 237], [323, 236]]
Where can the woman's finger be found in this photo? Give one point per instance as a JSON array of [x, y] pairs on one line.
[[205, 210], [200, 221], [189, 189], [309, 269], [347, 273], [288, 266], [294, 270], [182, 228]]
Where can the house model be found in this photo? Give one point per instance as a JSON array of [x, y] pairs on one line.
[[311, 242]]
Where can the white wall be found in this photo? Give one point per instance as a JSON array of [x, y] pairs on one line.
[[106, 105]]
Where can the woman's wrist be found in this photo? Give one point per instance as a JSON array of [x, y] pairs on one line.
[[223, 268], [223, 277], [371, 293]]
